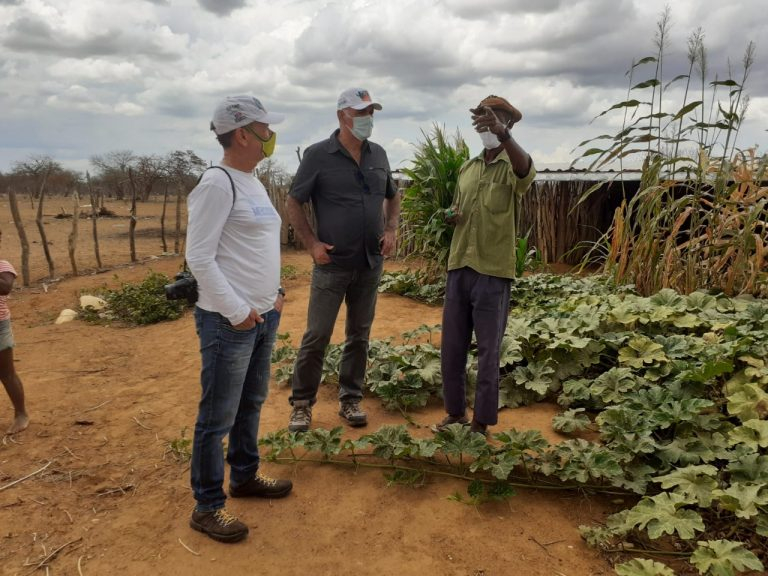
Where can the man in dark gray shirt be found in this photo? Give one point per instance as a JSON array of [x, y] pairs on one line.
[[356, 203]]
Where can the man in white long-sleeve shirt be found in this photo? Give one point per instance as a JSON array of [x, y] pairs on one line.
[[233, 250]]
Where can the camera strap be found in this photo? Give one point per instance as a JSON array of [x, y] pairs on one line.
[[234, 194], [232, 182]]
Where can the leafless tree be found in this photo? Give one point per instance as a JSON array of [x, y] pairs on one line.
[[183, 169], [112, 170], [147, 172]]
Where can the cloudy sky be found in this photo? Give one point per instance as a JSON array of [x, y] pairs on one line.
[[83, 77]]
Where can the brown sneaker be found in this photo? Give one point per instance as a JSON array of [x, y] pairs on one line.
[[351, 412], [262, 486], [448, 420], [219, 525], [301, 416]]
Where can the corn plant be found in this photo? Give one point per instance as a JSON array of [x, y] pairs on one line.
[[700, 217], [700, 234], [433, 173]]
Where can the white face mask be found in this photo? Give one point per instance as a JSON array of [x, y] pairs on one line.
[[490, 140], [362, 127]]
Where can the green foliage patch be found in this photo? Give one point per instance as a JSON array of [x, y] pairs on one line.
[[434, 172], [138, 304], [672, 389]]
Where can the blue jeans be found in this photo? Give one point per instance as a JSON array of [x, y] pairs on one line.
[[235, 382], [332, 285]]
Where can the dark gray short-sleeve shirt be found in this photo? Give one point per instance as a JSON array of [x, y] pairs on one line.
[[347, 199]]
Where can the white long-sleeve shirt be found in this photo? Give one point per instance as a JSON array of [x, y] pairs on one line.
[[233, 251]]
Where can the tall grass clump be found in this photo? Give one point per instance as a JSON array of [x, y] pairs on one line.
[[700, 217], [433, 173]]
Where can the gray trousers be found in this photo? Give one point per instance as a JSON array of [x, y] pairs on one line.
[[332, 284], [478, 302]]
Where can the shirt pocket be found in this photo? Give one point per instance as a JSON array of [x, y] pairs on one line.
[[497, 198], [376, 179]]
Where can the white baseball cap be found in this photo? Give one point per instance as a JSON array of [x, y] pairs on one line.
[[236, 111], [357, 98]]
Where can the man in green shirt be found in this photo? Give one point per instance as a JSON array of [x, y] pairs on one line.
[[481, 262]]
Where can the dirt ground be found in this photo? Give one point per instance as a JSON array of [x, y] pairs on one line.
[[105, 402]]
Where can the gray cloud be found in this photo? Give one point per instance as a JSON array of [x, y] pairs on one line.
[[222, 7], [152, 70], [30, 34], [179, 103], [482, 9], [425, 57]]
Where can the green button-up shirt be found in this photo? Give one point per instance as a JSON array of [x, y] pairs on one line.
[[488, 199]]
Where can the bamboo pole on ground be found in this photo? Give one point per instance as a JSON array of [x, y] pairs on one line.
[[13, 203]]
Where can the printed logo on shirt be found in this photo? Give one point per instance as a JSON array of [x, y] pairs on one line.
[[262, 212]]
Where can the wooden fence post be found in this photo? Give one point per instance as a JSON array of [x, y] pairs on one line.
[[132, 228], [95, 209], [72, 240], [13, 203], [162, 219], [177, 241], [41, 226]]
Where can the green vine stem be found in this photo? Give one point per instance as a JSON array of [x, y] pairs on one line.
[[443, 473]]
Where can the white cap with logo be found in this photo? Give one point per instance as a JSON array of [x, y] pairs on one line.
[[357, 98], [236, 111]]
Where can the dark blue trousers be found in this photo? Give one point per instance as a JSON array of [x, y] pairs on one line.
[[480, 303]]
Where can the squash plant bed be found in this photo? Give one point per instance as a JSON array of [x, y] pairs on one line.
[[672, 388]]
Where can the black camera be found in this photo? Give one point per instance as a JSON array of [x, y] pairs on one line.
[[184, 287]]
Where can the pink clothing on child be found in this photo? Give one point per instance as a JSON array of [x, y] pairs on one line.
[[5, 313]]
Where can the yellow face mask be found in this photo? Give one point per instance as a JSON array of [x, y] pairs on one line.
[[268, 145]]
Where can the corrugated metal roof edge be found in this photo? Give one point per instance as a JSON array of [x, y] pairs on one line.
[[595, 176], [562, 174]]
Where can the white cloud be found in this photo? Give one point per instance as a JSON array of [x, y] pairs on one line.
[[94, 69], [77, 97], [128, 109], [90, 29], [152, 70]]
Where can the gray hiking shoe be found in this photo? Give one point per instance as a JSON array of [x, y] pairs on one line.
[[219, 525], [301, 416], [351, 412]]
